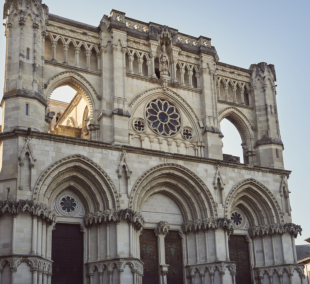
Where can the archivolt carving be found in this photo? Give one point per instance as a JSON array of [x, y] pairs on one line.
[[168, 92], [264, 192], [76, 81], [107, 189], [195, 189], [241, 122]]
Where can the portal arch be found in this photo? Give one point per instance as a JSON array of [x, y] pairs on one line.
[[180, 184], [256, 200], [82, 174]]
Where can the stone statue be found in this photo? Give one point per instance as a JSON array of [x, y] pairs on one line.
[[164, 62]]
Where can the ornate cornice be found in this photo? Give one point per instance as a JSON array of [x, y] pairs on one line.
[[207, 224], [21, 132], [115, 216], [272, 229], [22, 206]]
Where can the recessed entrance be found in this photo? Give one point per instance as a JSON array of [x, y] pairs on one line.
[[239, 252], [67, 254]]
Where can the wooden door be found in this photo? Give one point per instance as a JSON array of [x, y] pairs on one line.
[[67, 254]]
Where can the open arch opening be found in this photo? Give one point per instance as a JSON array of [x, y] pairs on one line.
[[239, 132], [232, 142], [72, 115]]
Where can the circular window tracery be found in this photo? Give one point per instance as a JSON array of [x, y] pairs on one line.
[[236, 218], [163, 117], [68, 204], [139, 125]]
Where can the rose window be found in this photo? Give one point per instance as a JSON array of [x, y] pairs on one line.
[[68, 204], [236, 218], [163, 117]]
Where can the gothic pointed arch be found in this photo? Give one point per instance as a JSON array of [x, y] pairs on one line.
[[82, 175], [179, 183], [77, 82], [180, 103], [241, 122], [256, 201]]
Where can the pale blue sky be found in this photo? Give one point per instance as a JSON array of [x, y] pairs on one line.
[[243, 32]]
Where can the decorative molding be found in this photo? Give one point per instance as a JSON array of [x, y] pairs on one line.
[[279, 270], [209, 223], [41, 181], [266, 191], [22, 132], [170, 167], [218, 179], [27, 149], [221, 267], [22, 206], [135, 265], [162, 228], [35, 263], [272, 229], [106, 216], [123, 164]]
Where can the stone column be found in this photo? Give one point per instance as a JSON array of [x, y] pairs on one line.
[[197, 247], [77, 56], [130, 61], [43, 242], [98, 242], [108, 241], [39, 227], [206, 245], [54, 46], [140, 62], [149, 68], [49, 278], [34, 235], [283, 252], [98, 61], [1, 270], [182, 71], [13, 234], [161, 232], [242, 95], [226, 245], [190, 78], [65, 48], [40, 279], [91, 278], [13, 274], [100, 277], [235, 94], [88, 55]]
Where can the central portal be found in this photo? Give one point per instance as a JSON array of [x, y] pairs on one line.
[[239, 252], [67, 254]]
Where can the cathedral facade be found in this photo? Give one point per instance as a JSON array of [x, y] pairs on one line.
[[128, 183]]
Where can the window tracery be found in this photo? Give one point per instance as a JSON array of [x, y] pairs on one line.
[[163, 117], [139, 124], [187, 133], [68, 204]]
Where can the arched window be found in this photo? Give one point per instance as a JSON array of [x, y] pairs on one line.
[[232, 143], [69, 107]]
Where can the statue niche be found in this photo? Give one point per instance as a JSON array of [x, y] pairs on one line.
[[164, 62]]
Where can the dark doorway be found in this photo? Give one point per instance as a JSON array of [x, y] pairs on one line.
[[149, 256], [173, 252], [67, 254], [239, 252]]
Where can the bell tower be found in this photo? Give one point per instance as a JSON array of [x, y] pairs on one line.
[[268, 144], [24, 104]]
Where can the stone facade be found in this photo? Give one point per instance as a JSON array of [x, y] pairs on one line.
[[146, 155]]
